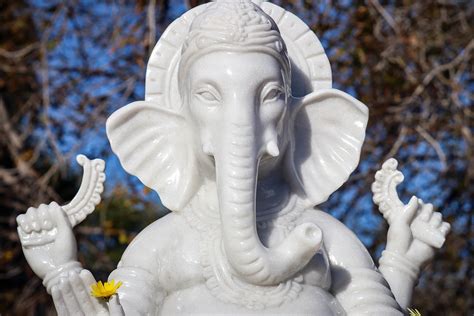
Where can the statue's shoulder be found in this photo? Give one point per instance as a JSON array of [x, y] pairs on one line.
[[157, 238], [167, 227]]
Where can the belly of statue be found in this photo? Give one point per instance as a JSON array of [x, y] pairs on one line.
[[190, 294], [197, 300]]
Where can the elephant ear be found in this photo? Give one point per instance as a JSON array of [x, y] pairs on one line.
[[152, 144], [329, 130]]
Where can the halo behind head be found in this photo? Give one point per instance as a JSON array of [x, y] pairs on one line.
[[310, 68]]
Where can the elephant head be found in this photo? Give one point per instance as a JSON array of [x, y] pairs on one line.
[[237, 125]]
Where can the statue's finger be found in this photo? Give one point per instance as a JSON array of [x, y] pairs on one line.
[[43, 218], [47, 224], [435, 237], [32, 216], [69, 297], [445, 228], [21, 233], [23, 223], [436, 219], [88, 279], [30, 220], [54, 205], [426, 211], [427, 233], [439, 240], [59, 304], [410, 209], [82, 294], [115, 308], [58, 216], [25, 238]]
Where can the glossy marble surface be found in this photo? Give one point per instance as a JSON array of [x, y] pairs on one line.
[[243, 137]]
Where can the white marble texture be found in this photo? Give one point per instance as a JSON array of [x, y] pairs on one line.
[[243, 137]]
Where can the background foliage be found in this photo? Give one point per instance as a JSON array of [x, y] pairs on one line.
[[66, 65]]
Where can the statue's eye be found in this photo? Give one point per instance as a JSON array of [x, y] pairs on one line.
[[208, 95], [272, 94]]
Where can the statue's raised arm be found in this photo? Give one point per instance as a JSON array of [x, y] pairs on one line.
[[415, 231], [242, 136], [49, 244]]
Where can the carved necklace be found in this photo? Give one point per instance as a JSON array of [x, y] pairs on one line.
[[220, 278]]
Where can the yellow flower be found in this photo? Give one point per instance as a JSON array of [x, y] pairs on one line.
[[414, 312], [105, 290]]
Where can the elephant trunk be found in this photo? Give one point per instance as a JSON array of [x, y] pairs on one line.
[[236, 172]]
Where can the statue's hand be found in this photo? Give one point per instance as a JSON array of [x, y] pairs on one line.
[[72, 296], [415, 231], [47, 238]]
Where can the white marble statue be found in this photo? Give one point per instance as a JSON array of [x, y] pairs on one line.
[[242, 136]]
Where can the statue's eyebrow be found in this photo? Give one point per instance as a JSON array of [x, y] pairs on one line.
[[273, 77]]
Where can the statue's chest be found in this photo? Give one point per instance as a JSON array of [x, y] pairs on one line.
[[180, 266], [207, 264]]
